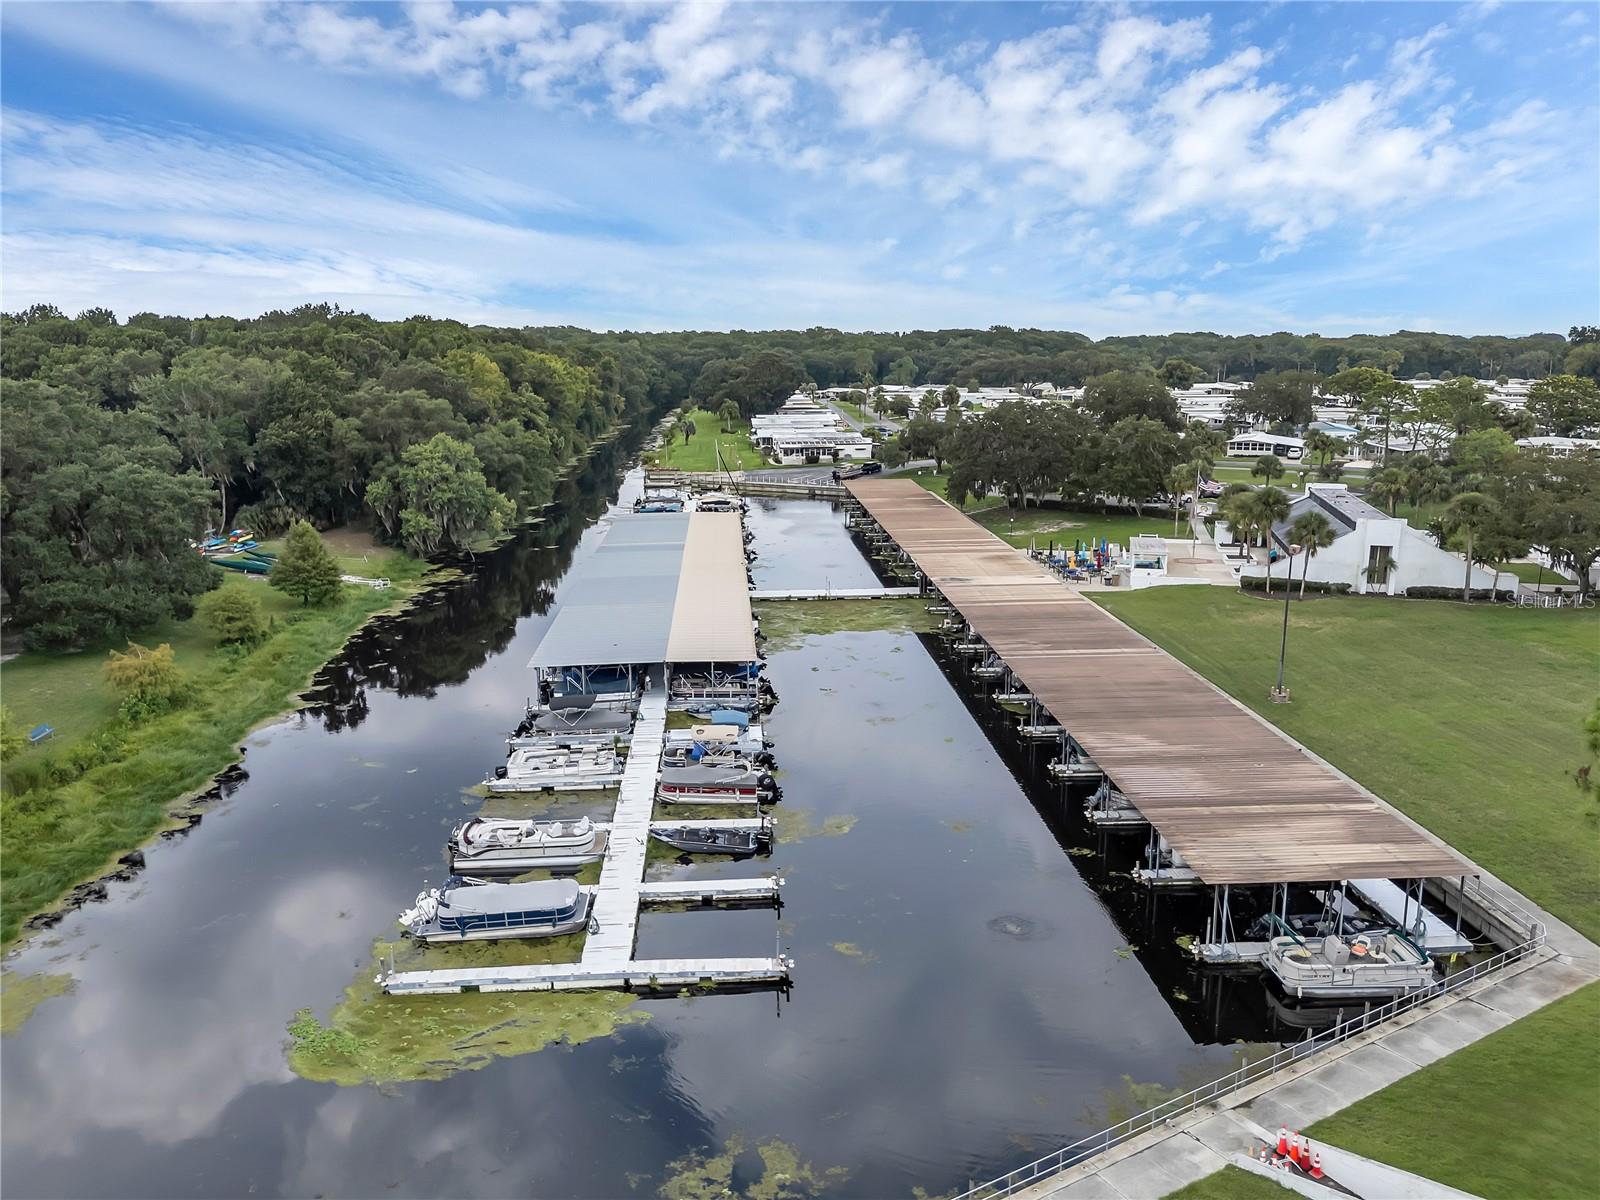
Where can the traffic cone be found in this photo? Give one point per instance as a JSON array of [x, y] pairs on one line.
[[1294, 1147], [1316, 1164], [1283, 1139]]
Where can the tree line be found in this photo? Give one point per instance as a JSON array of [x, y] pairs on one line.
[[126, 440]]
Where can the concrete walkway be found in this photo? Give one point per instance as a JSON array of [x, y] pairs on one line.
[[1205, 1141]]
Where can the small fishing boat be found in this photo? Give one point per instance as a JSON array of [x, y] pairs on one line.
[[462, 911], [1375, 965], [709, 839], [587, 720], [716, 754], [492, 846], [560, 769], [715, 785]]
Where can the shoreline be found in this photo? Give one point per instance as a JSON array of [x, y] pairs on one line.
[[179, 810]]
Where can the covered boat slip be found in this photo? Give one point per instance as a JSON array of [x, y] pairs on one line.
[[660, 588], [1239, 801]]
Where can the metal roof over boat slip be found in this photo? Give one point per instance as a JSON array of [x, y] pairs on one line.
[[660, 587], [1236, 798]]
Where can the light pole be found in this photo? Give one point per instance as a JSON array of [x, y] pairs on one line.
[[1280, 694]]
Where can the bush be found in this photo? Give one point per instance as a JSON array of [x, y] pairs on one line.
[[233, 615], [1258, 583], [268, 519], [13, 739], [305, 568], [1454, 593], [150, 681]]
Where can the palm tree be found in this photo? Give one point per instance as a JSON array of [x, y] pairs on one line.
[[1272, 506], [1468, 513], [1184, 477], [1268, 467], [1237, 510], [1389, 486], [728, 414], [1321, 445], [1311, 531]]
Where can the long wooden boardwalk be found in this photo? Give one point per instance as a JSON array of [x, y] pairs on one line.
[[1237, 799]]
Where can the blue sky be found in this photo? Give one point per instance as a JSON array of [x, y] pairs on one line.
[[1108, 168]]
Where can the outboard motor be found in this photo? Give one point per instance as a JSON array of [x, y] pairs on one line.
[[500, 771], [768, 786], [765, 759]]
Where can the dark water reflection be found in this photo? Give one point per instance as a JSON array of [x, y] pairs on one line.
[[965, 995]]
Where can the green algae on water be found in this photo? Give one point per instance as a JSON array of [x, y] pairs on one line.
[[788, 623], [371, 1037], [733, 1173], [792, 824], [21, 994]]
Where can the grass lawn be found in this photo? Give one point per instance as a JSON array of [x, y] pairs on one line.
[[699, 453], [1533, 573], [935, 481], [1045, 525], [1467, 717], [1509, 1116], [101, 786], [1231, 1183]]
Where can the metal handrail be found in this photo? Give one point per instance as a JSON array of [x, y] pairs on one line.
[[1168, 1110]]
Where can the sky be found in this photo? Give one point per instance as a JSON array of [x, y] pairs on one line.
[[1107, 168]]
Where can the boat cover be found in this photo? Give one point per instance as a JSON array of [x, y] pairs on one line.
[[730, 716], [552, 895]]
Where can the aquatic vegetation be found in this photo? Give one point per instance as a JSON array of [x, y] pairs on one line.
[[958, 826], [851, 950], [373, 1038], [793, 824], [733, 1173], [788, 623], [109, 793], [21, 994]]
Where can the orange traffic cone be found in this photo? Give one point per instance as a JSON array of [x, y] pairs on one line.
[[1294, 1147], [1283, 1139], [1316, 1165]]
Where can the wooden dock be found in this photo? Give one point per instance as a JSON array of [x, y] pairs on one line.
[[1236, 798]]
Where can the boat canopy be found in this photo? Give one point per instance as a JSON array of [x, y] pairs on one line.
[[730, 716], [548, 895]]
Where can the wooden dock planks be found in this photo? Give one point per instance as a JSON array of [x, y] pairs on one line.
[[1236, 798]]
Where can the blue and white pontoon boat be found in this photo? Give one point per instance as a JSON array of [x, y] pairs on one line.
[[476, 912]]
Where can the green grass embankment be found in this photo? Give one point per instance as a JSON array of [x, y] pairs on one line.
[[102, 786], [1469, 718], [1510, 1116], [699, 453]]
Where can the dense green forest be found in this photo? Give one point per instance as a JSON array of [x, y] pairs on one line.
[[126, 439]]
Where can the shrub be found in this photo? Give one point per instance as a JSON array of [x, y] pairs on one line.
[[305, 568], [1258, 583], [13, 739], [234, 615], [1454, 593], [150, 681], [267, 519]]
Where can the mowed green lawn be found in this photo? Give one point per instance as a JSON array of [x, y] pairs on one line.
[[1232, 1183], [1510, 1116], [1467, 717], [699, 453], [1046, 525]]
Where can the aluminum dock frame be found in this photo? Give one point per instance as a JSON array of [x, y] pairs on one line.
[[607, 961]]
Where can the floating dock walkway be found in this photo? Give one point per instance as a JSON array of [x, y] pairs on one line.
[[827, 593]]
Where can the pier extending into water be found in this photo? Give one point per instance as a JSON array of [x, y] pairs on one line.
[[1239, 801]]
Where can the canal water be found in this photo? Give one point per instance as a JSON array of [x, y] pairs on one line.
[[968, 994]]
